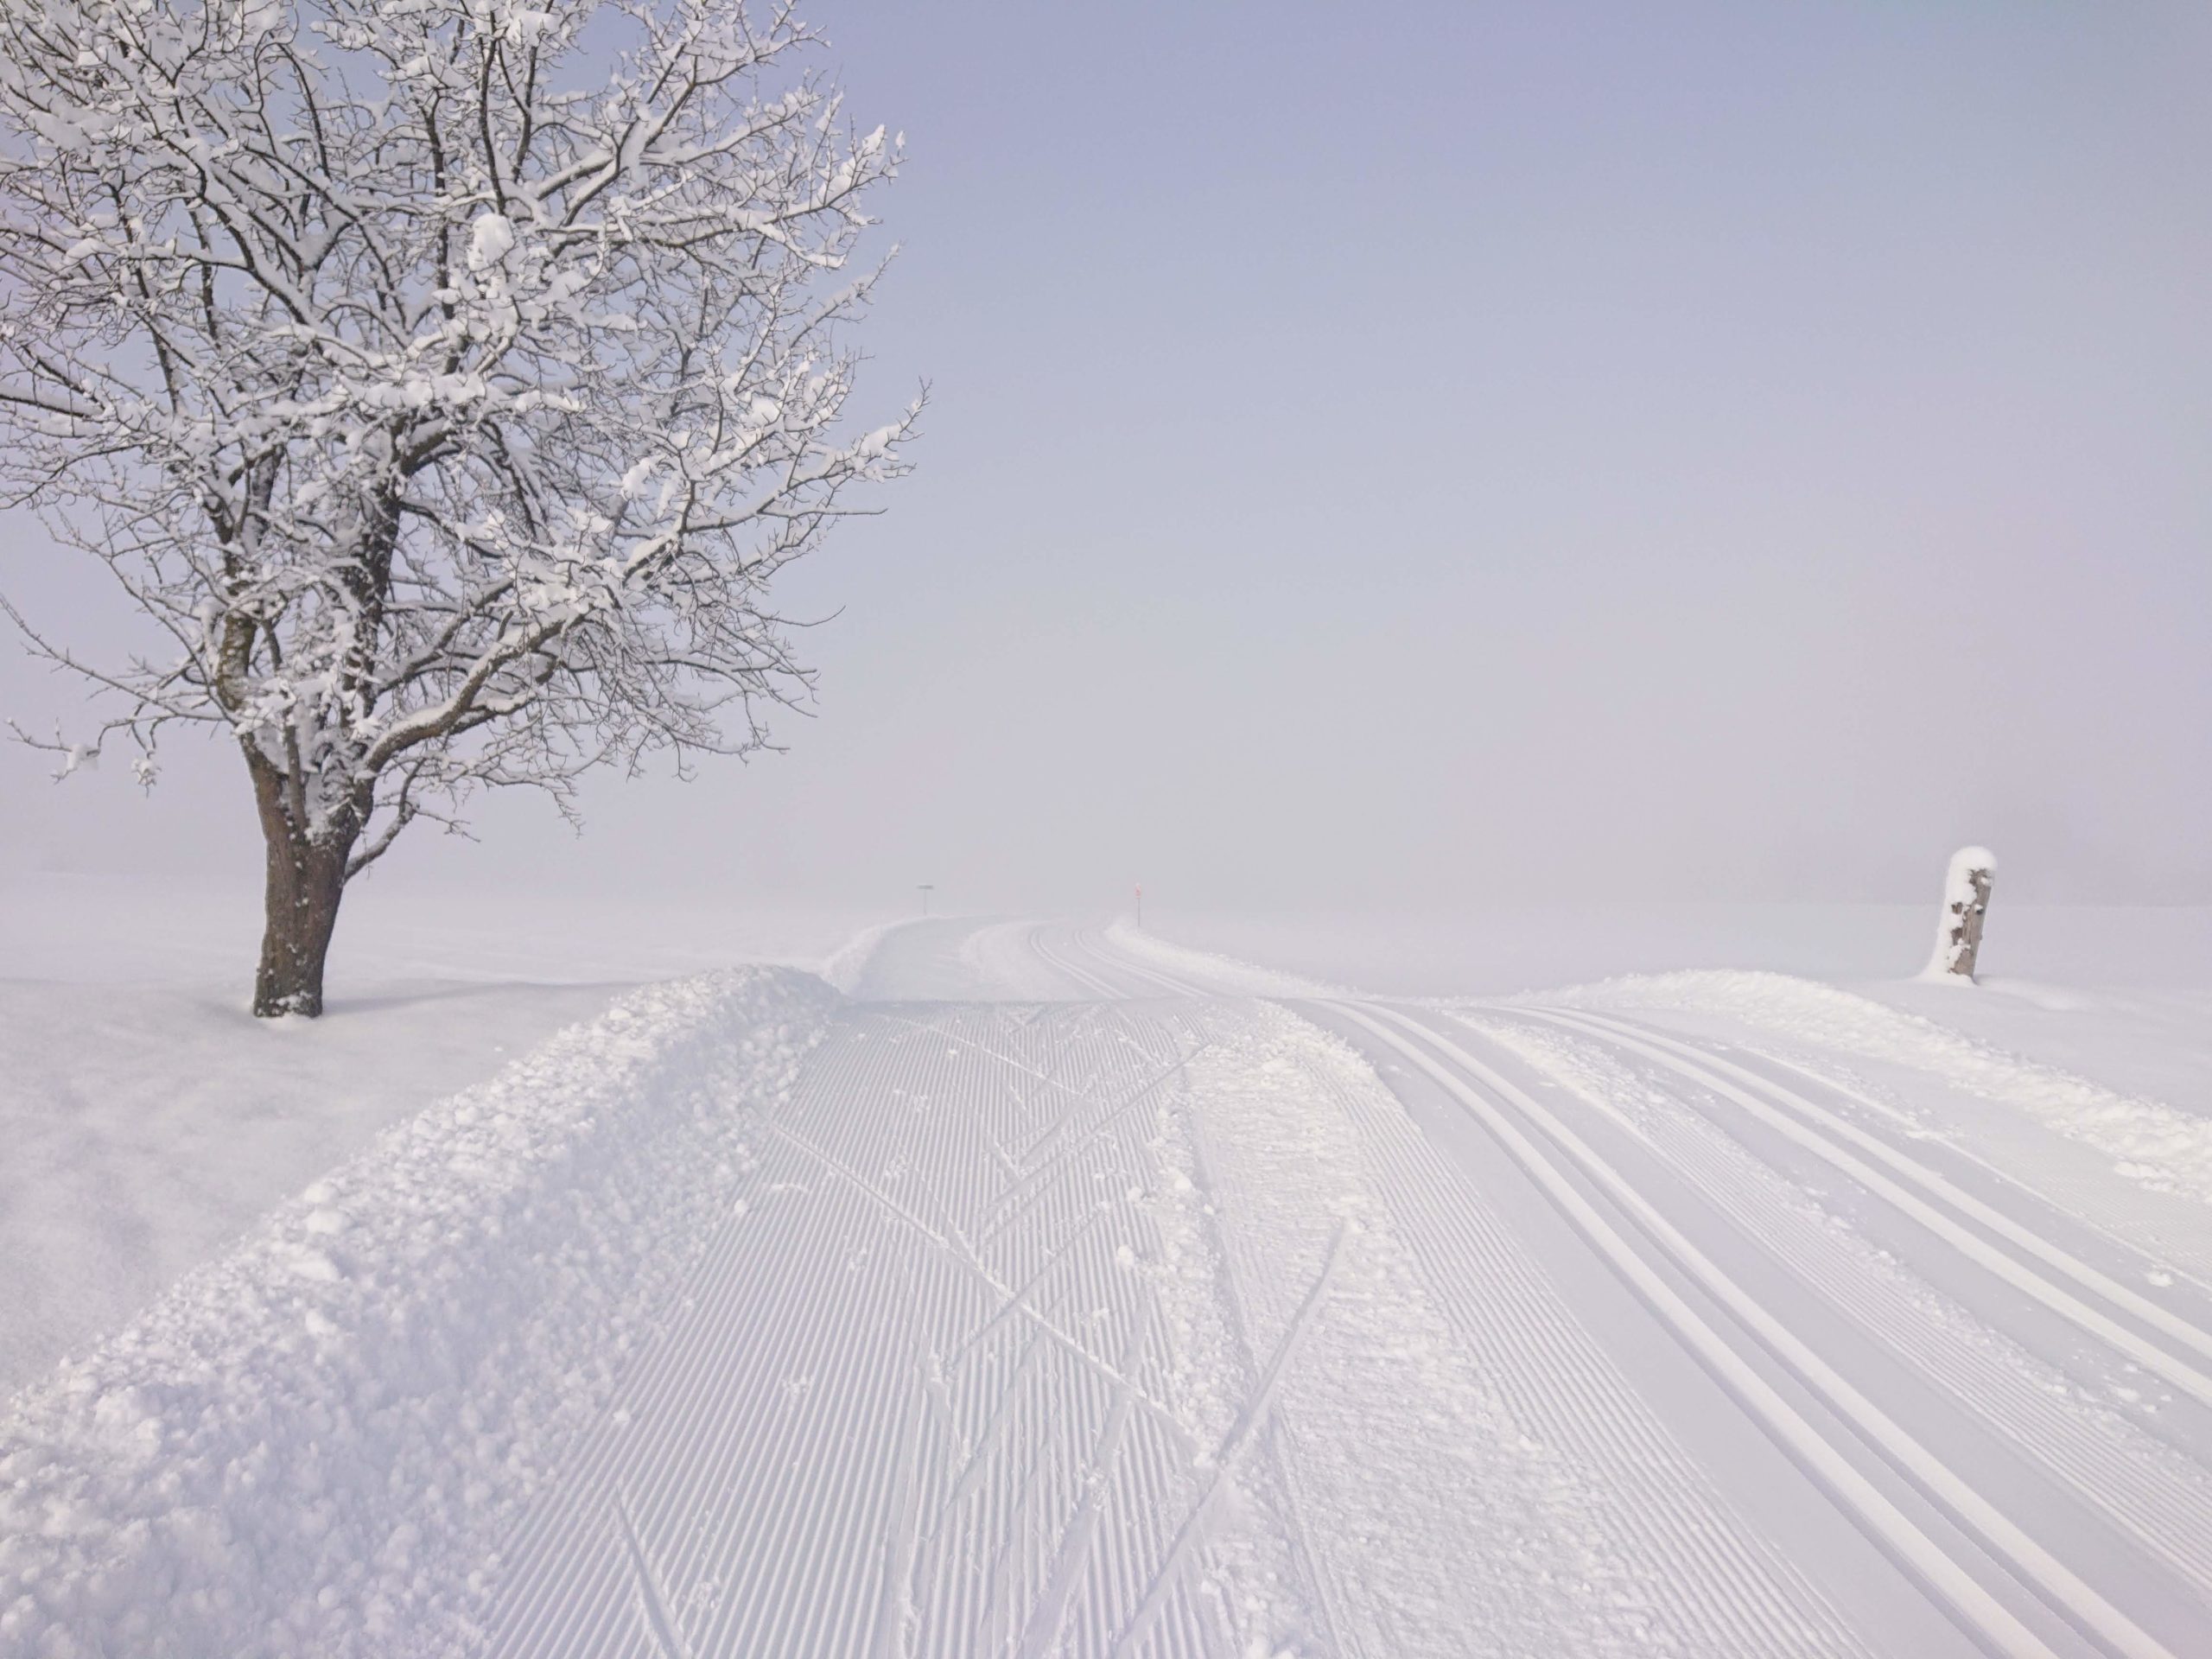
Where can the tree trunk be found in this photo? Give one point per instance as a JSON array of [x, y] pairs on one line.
[[306, 877]]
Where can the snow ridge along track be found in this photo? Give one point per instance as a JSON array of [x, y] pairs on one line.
[[317, 1445]]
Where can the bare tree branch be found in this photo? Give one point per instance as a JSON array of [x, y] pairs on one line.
[[450, 403]]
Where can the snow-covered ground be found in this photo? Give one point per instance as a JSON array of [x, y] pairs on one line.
[[148, 1120], [1039, 1289]]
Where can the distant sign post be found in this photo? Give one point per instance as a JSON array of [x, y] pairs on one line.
[[1965, 902], [927, 887]]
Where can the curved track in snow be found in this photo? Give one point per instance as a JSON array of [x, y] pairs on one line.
[[1063, 1292], [1073, 1308]]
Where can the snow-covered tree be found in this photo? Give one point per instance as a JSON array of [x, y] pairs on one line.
[[448, 379]]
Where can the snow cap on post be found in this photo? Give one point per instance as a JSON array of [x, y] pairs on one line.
[[1966, 902]]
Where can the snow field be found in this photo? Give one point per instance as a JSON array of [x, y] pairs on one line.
[[318, 1444], [149, 1122], [1132, 1318], [148, 1128]]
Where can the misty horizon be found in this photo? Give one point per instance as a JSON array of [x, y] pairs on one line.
[[1498, 458]]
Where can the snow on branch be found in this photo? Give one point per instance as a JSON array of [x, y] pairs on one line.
[[448, 392]]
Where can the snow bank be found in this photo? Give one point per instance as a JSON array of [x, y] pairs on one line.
[[320, 1444], [847, 965], [2150, 1142], [148, 1128]]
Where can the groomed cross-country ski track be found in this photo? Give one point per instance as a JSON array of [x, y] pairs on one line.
[[1054, 1293]]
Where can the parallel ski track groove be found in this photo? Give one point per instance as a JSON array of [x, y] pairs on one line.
[[1841, 1143], [1712, 1577], [2032, 1566], [1544, 1363], [1106, 955], [1090, 983], [2167, 1515]]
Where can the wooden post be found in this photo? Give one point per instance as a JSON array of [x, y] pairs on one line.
[[1965, 902]]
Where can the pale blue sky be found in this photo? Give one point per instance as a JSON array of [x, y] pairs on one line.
[[1461, 453]]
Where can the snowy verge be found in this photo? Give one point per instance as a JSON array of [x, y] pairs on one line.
[[318, 1444], [149, 1128], [847, 965], [1217, 973], [2148, 1142]]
